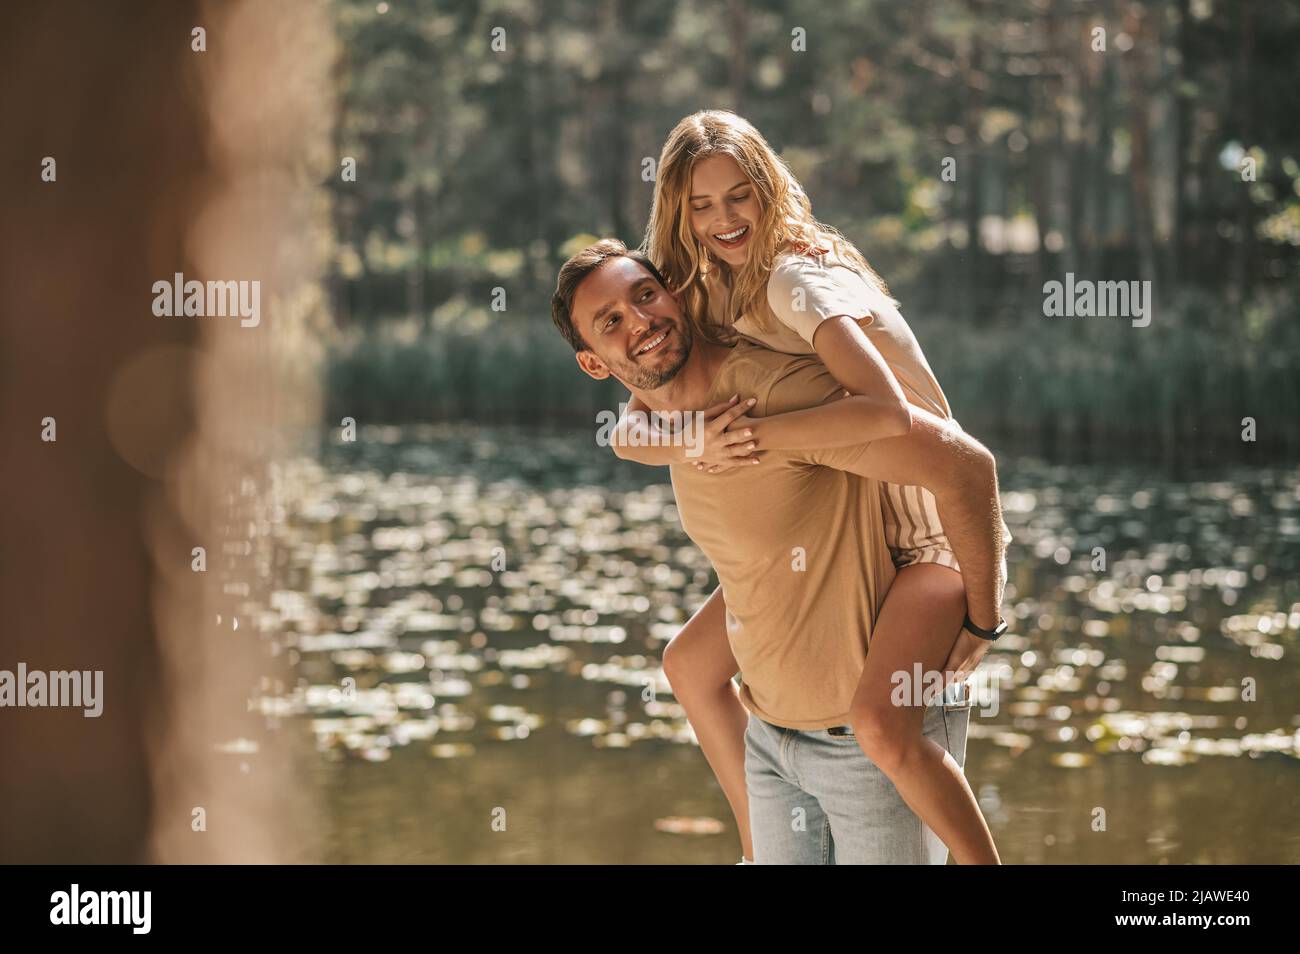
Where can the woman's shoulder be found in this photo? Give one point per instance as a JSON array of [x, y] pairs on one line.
[[794, 259], [818, 261], [812, 269], [820, 273], [793, 267]]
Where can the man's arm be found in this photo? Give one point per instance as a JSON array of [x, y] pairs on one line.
[[962, 475]]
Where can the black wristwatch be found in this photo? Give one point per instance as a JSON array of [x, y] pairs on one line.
[[989, 634]]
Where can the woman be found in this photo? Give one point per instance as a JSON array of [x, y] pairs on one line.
[[733, 233]]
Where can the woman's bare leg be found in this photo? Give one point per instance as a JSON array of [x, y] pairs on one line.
[[919, 621], [699, 665]]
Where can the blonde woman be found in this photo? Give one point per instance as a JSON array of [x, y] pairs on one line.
[[733, 233]]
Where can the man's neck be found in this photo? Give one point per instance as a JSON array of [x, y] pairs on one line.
[[689, 389]]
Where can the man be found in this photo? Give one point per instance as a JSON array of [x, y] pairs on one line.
[[799, 549]]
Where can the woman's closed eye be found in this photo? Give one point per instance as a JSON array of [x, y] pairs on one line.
[[706, 206]]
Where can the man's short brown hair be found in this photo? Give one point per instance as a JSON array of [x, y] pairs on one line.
[[575, 271]]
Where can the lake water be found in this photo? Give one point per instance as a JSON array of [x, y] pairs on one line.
[[476, 615]]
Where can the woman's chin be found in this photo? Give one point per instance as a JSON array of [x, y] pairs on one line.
[[735, 257]]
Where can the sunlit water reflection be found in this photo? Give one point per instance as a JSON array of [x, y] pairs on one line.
[[477, 620]]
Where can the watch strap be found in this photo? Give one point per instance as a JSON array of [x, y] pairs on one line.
[[989, 634]]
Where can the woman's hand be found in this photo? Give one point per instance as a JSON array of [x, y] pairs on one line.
[[726, 444]]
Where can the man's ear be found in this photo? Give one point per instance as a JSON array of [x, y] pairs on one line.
[[592, 365]]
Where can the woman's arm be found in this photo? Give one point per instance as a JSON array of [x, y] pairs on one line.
[[824, 310], [859, 367], [874, 410], [855, 419]]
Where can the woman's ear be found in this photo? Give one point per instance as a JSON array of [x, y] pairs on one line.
[[592, 365]]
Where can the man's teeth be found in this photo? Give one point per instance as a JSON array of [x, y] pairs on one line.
[[732, 236], [652, 343]]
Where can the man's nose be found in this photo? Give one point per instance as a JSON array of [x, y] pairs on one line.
[[641, 320]]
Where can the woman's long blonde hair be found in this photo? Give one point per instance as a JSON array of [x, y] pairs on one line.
[[785, 223]]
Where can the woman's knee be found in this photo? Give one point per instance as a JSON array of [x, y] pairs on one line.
[[681, 662], [689, 666], [883, 733], [674, 663]]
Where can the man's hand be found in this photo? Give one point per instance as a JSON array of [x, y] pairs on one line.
[[726, 444], [966, 654]]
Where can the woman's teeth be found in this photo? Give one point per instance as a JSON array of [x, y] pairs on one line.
[[652, 343], [733, 238]]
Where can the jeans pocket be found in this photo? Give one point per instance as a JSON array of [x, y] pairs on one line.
[[957, 698], [956, 725]]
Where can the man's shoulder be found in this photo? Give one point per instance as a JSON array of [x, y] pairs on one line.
[[751, 362], [781, 382]]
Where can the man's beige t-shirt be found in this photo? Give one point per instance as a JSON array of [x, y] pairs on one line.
[[798, 546]]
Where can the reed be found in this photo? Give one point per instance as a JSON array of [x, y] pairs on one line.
[[1072, 389]]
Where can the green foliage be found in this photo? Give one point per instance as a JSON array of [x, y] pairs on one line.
[[481, 169]]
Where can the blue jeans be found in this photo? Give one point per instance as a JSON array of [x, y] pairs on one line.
[[816, 799]]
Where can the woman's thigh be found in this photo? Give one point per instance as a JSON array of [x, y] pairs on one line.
[[869, 821]]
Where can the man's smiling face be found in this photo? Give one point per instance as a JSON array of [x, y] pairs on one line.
[[632, 326]]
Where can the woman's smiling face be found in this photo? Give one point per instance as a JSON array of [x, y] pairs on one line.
[[724, 208]]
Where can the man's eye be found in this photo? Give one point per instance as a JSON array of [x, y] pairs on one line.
[[647, 294], [610, 321]]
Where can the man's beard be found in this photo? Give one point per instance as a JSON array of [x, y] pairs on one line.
[[647, 379]]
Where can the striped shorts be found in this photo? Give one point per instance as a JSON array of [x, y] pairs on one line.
[[912, 528]]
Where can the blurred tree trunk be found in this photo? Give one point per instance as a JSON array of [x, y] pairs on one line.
[[1183, 106], [738, 24], [1096, 175], [168, 160], [614, 121], [1243, 129], [971, 171], [1063, 96], [532, 163], [1136, 61]]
